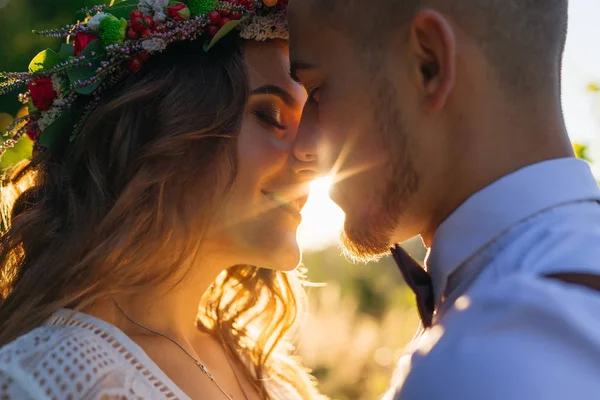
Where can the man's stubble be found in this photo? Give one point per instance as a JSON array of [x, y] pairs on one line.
[[367, 235]]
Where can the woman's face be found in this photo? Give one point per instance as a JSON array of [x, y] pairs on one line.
[[257, 222]]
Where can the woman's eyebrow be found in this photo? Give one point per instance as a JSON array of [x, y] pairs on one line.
[[278, 91]]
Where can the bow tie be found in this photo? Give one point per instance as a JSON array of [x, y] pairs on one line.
[[419, 281]]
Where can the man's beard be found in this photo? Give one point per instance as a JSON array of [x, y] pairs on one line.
[[369, 237]]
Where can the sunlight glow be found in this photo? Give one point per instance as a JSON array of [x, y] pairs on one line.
[[429, 339], [462, 303], [322, 219]]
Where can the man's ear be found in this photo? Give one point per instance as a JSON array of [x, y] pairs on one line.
[[433, 46]]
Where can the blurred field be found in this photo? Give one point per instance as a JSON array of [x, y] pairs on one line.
[[358, 324]]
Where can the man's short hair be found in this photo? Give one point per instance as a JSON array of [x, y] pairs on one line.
[[522, 39]]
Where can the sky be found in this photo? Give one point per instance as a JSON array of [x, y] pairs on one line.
[[581, 65], [322, 219]]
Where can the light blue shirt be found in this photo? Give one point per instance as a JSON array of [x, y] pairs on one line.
[[507, 333]]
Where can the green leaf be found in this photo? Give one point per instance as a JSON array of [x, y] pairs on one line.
[[6, 120], [581, 151], [225, 29], [87, 90], [122, 9], [85, 72], [46, 60], [22, 150], [67, 50], [30, 107], [56, 131], [199, 7]]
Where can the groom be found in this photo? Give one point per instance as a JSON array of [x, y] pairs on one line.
[[442, 118]]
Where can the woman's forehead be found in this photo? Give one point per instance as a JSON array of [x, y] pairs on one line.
[[268, 63]]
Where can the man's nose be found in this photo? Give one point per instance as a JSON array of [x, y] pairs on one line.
[[306, 146]]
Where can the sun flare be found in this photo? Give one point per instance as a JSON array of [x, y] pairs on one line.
[[322, 219]]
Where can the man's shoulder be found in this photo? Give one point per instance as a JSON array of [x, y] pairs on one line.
[[522, 337], [565, 238], [514, 307]]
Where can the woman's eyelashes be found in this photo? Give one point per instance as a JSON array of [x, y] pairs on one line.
[[270, 114]]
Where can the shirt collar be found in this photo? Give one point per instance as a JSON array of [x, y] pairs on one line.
[[500, 206]]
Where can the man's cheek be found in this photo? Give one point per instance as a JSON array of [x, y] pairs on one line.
[[330, 144], [333, 127]]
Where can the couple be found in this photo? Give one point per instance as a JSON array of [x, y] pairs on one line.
[[130, 266]]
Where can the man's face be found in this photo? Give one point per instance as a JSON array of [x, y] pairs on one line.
[[363, 129]]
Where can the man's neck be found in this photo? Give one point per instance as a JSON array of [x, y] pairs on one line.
[[500, 152]]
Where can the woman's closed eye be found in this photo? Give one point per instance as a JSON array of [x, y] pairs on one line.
[[270, 114]]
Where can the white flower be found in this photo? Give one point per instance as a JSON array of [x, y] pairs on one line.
[[94, 22], [261, 28], [48, 117], [160, 16], [154, 8], [42, 123], [60, 102], [154, 45], [153, 4], [57, 83]]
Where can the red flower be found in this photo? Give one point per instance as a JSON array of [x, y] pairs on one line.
[[81, 40], [42, 93], [179, 12], [33, 134], [32, 130]]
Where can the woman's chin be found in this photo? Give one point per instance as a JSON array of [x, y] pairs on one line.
[[283, 254], [283, 258], [271, 248]]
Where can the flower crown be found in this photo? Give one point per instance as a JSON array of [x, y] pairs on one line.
[[114, 41]]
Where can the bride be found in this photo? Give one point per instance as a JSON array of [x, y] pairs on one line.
[[150, 245]]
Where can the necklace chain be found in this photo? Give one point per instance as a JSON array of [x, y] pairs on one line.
[[196, 361]]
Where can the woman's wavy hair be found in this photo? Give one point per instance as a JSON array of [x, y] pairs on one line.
[[121, 206]]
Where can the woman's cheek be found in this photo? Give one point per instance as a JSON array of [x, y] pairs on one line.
[[260, 151]]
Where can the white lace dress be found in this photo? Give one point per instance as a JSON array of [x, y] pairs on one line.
[[77, 356]]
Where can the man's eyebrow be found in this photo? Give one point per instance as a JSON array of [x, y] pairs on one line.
[[278, 91], [296, 66]]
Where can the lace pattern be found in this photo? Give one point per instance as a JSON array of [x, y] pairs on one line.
[[76, 356]]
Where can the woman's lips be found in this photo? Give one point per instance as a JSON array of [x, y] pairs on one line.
[[294, 204]]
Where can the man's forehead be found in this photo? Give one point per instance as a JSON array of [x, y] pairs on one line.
[[297, 7], [301, 13], [298, 19], [307, 31]]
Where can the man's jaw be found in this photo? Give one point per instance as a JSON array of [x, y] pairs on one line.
[[366, 242]]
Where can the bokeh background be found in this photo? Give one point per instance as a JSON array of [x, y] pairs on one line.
[[361, 316]]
